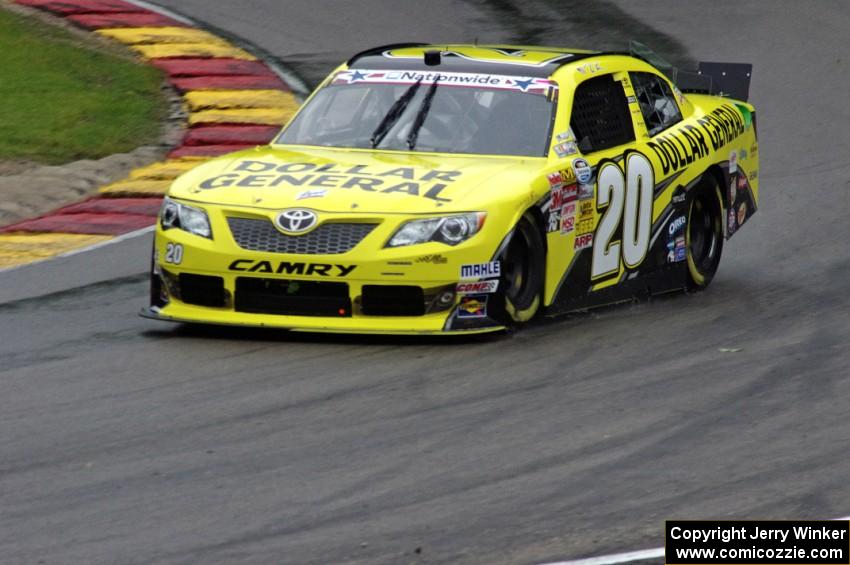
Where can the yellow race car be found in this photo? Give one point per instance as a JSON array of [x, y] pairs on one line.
[[429, 189]]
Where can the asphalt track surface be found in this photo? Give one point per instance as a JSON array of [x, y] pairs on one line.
[[126, 441]]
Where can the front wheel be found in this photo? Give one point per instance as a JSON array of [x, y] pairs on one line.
[[522, 274], [704, 238]]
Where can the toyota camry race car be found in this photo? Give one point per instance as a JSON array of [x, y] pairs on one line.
[[461, 189]]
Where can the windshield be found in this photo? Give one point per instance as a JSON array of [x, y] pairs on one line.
[[440, 112]]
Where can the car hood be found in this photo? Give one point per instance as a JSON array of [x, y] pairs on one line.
[[345, 180]]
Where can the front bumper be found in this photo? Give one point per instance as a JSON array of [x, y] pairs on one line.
[[247, 281]]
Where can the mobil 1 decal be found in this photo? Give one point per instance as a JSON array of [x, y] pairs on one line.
[[624, 197]]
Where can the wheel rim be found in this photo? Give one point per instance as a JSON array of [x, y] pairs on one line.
[[517, 270], [703, 236]]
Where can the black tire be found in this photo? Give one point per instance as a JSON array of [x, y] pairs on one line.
[[704, 238], [523, 264]]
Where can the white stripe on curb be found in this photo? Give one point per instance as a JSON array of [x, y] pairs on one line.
[[642, 555]]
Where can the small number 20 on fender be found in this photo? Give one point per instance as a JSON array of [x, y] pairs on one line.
[[626, 197]]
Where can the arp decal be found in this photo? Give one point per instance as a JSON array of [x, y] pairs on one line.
[[401, 180], [291, 268], [472, 306], [624, 197]]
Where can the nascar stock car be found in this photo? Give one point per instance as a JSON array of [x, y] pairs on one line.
[[461, 189]]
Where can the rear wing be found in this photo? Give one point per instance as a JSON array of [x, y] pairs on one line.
[[731, 80]]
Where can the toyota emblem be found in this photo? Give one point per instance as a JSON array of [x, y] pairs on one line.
[[296, 220]]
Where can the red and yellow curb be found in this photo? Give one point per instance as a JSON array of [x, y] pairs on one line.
[[234, 101]]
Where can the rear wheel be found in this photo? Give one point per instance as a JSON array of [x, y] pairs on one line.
[[522, 271], [704, 237]]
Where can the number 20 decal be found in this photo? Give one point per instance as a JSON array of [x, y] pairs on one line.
[[174, 253], [628, 198]]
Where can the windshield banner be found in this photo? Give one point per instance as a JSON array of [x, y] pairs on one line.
[[475, 80]]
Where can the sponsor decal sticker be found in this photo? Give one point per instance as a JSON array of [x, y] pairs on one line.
[[754, 175], [582, 170], [676, 251], [676, 239], [558, 198], [472, 306], [688, 143], [742, 182], [566, 149], [584, 221], [473, 80], [679, 197], [589, 68], [315, 193], [411, 181], [436, 259], [742, 154], [676, 225], [480, 270], [631, 99], [583, 241], [568, 218], [733, 162], [585, 191], [556, 180], [566, 136], [732, 221], [562, 195], [479, 287]]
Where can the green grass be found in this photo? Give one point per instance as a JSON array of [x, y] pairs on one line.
[[62, 98]]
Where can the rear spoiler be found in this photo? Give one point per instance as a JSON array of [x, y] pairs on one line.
[[721, 79], [731, 80]]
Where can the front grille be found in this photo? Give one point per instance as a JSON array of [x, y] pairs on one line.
[[293, 298], [392, 300], [202, 290], [327, 239]]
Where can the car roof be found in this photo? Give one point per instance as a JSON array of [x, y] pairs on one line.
[[517, 60]]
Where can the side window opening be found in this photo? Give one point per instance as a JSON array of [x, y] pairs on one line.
[[657, 103], [600, 115]]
